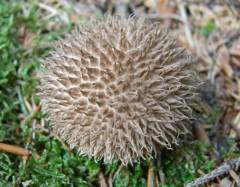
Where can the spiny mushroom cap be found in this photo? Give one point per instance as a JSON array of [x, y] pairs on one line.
[[118, 89]]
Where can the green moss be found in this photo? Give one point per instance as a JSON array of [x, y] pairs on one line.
[[57, 166], [181, 165], [208, 28]]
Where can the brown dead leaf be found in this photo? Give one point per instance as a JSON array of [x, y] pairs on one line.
[[223, 58], [161, 6], [164, 6], [183, 41], [236, 122], [235, 177], [26, 38], [236, 62], [235, 50], [229, 119], [234, 90], [200, 133], [225, 182]]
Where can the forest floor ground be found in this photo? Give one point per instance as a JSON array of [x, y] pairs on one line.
[[209, 29]]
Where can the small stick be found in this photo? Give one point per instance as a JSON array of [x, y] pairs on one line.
[[158, 16], [221, 170], [181, 6], [151, 181], [200, 133], [14, 149], [102, 180], [160, 172], [48, 8], [110, 179]]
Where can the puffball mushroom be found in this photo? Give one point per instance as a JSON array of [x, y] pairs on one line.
[[118, 89]]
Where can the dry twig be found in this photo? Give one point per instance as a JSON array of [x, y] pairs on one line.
[[221, 170], [151, 181], [14, 149], [102, 181], [162, 16], [187, 29]]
